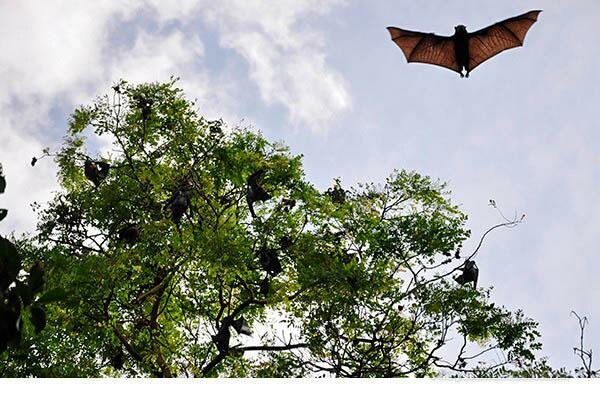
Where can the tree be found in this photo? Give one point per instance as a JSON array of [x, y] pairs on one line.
[[192, 248], [22, 294]]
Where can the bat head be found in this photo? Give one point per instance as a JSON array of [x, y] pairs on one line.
[[460, 29]]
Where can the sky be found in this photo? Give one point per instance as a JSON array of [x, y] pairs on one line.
[[324, 77]]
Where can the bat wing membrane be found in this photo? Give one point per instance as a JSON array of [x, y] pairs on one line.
[[425, 48], [487, 42]]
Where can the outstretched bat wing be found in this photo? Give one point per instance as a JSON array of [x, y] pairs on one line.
[[487, 42], [426, 48]]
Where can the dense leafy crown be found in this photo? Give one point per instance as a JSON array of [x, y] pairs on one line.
[[190, 234]]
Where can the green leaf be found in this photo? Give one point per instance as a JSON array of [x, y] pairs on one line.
[[36, 277], [10, 263], [38, 318], [56, 294], [3, 212], [80, 120], [349, 260]]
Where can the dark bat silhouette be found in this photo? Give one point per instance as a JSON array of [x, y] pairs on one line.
[[470, 273], [221, 339], [130, 233], [241, 326], [264, 286], [96, 171], [255, 191], [269, 261], [117, 360], [145, 105], [285, 242], [179, 201], [464, 50]]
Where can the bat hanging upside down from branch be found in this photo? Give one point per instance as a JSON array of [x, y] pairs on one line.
[[464, 50]]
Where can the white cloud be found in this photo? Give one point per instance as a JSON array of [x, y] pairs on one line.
[[25, 184], [52, 47], [60, 53], [165, 11], [286, 59], [51, 51], [156, 58]]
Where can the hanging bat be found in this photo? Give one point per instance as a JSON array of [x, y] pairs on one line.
[[470, 273], [241, 326], [255, 191], [90, 169], [221, 339], [269, 260], [117, 360], [96, 171], [129, 234], [264, 286], [285, 242], [179, 201], [464, 50], [288, 204], [145, 105]]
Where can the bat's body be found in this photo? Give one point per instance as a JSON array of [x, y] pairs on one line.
[[461, 47], [464, 50], [96, 171], [470, 273], [255, 191], [179, 202]]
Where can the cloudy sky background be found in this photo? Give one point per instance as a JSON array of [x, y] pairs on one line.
[[324, 76]]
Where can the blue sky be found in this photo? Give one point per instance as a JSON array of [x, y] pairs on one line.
[[324, 77]]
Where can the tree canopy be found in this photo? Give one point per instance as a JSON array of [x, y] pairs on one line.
[[194, 248]]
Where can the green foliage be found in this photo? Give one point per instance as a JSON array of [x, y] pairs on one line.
[[532, 369], [56, 294], [365, 285], [18, 293]]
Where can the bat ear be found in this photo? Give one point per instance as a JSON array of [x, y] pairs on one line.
[[460, 28]]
